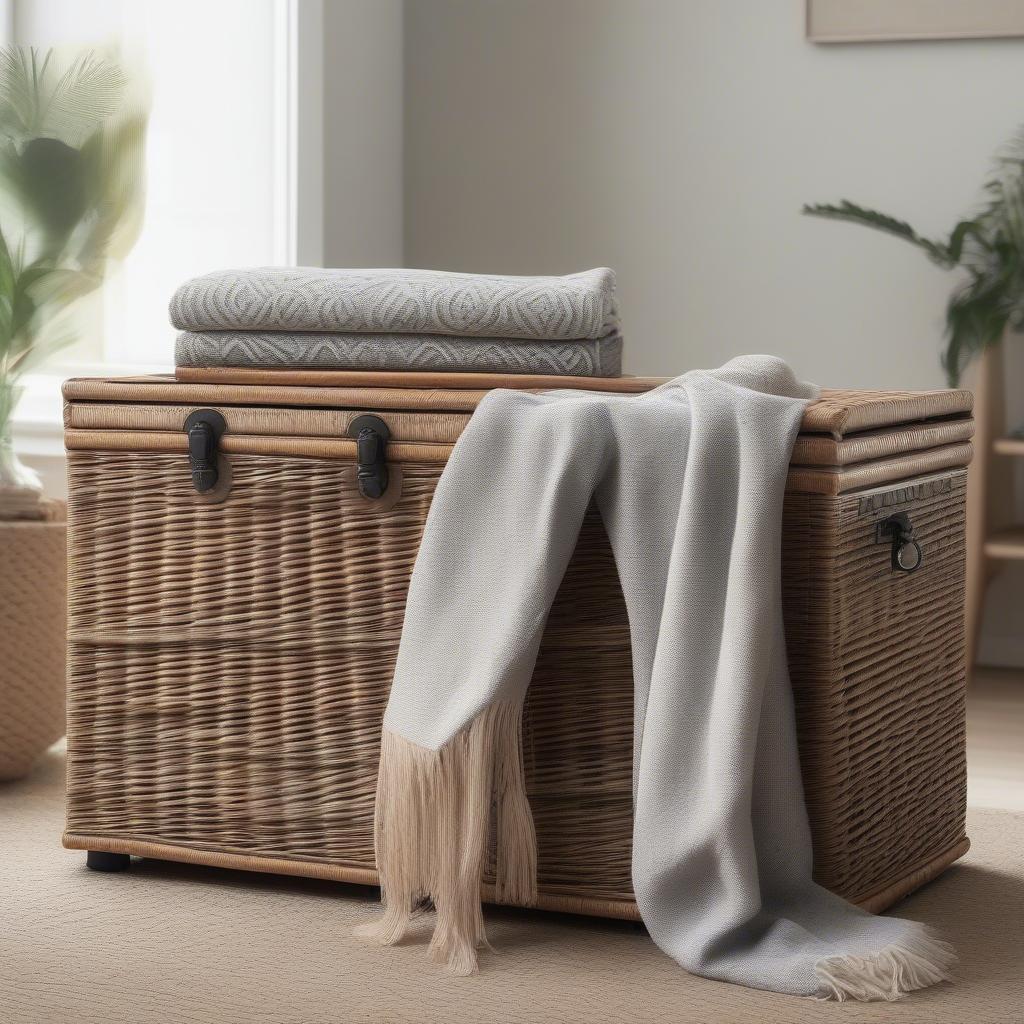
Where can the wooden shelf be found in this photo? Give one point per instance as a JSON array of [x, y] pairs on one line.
[[1008, 446], [1008, 543]]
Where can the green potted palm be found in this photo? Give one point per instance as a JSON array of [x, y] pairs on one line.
[[71, 150], [988, 246]]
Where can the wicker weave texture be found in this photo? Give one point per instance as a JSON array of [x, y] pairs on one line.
[[230, 666], [32, 670], [877, 663]]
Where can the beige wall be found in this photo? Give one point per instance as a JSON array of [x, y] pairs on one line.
[[362, 143], [676, 142]]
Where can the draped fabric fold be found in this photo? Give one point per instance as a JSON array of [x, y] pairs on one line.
[[689, 480]]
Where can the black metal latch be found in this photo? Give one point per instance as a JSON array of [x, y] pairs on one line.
[[204, 428], [906, 551], [372, 435]]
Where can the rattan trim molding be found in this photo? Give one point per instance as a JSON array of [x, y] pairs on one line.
[[399, 378], [430, 427], [436, 427], [836, 413], [820, 480], [847, 412], [241, 444], [825, 450], [623, 910], [166, 389], [810, 480]]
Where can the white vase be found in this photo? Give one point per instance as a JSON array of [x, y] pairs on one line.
[[21, 491]]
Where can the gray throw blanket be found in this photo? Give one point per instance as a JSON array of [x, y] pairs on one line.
[[690, 481], [399, 302], [297, 350]]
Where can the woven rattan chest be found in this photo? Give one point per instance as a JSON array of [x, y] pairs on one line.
[[239, 556]]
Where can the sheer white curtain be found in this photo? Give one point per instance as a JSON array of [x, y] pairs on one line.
[[213, 179], [222, 168]]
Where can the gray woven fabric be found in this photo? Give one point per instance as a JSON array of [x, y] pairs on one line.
[[690, 480], [597, 357], [399, 302]]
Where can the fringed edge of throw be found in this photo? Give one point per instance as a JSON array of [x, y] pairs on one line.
[[918, 961], [431, 827]]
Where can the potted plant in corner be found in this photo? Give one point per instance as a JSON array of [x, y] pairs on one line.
[[71, 152], [985, 308], [989, 246]]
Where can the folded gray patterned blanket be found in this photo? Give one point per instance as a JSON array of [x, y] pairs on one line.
[[588, 357], [399, 302]]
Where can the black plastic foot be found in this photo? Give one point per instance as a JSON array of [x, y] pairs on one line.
[[100, 861]]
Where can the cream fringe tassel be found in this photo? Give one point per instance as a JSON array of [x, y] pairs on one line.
[[431, 830], [917, 962]]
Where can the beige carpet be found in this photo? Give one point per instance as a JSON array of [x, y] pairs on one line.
[[169, 944]]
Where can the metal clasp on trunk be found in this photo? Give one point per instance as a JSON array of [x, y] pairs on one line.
[[372, 435], [898, 531], [204, 429]]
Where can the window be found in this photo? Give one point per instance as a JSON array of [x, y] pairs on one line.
[[225, 186]]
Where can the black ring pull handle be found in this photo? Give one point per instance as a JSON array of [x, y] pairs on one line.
[[204, 429], [898, 531], [372, 436]]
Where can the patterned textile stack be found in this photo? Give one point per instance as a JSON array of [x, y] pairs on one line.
[[296, 318]]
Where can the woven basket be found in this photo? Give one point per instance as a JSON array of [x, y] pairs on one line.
[[230, 654], [32, 640]]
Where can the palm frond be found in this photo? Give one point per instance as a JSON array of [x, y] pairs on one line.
[[988, 247], [1009, 157], [42, 99], [18, 91], [88, 92], [851, 212], [975, 319], [115, 183]]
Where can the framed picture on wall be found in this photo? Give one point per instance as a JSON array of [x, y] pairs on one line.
[[866, 21]]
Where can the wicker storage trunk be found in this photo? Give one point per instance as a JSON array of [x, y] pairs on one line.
[[231, 649]]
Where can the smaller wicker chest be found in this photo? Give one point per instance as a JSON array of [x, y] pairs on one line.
[[230, 650]]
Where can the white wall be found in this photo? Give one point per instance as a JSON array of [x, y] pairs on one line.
[[676, 142]]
